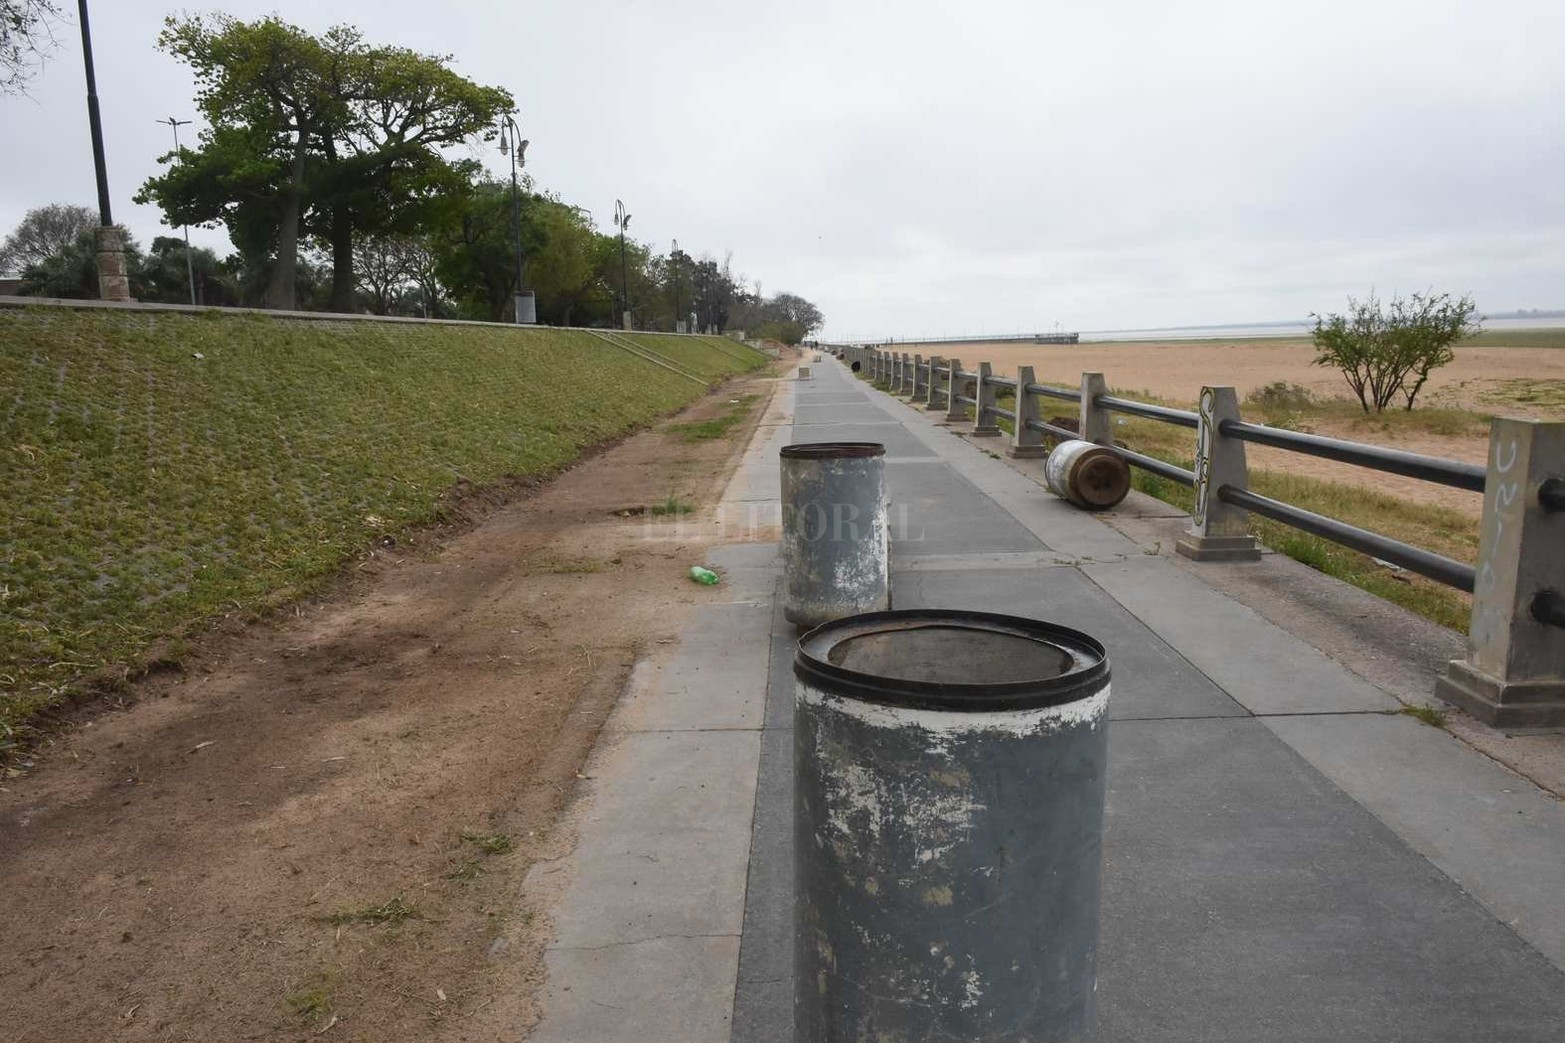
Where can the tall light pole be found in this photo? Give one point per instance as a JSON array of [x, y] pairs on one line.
[[673, 261], [190, 268], [113, 283], [622, 222], [526, 306]]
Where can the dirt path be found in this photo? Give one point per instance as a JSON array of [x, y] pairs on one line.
[[322, 826]]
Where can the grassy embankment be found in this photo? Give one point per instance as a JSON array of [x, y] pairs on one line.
[[146, 488]]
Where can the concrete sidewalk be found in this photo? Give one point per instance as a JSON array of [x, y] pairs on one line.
[[1284, 860]]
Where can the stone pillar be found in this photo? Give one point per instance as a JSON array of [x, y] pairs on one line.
[[1218, 531], [905, 378], [985, 421], [113, 281], [1514, 673], [625, 318], [1025, 442], [920, 381], [937, 373], [955, 385], [1096, 423]]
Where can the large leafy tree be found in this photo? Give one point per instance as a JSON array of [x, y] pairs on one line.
[[314, 137], [43, 232]]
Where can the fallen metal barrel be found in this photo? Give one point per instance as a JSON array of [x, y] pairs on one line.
[[835, 537], [948, 822], [1087, 474]]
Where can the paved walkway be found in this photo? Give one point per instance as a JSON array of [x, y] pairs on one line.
[[1284, 860]]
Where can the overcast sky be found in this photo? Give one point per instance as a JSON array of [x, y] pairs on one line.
[[923, 168]]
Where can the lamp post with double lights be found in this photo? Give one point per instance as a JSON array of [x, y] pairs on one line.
[[673, 261], [622, 222], [526, 305]]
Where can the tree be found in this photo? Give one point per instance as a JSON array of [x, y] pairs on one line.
[[323, 137], [380, 267], [26, 39], [1384, 352], [44, 232], [267, 91], [165, 278]]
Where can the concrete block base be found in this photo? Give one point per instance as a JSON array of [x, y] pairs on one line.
[[1219, 548], [1503, 704], [934, 407], [986, 432], [1027, 452]]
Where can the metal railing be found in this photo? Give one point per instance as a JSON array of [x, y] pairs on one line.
[[1521, 563]]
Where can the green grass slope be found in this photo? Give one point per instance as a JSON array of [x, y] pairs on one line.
[[156, 469]]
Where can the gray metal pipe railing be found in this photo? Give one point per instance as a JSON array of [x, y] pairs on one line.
[[1426, 563], [1050, 429], [965, 400], [1001, 411], [1548, 608], [1451, 473], [1047, 391], [1179, 417], [1155, 466]]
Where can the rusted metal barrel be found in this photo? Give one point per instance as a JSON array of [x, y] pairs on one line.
[[1087, 474], [948, 821], [835, 537]]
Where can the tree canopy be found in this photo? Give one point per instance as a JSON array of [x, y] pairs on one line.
[[26, 39], [43, 232], [322, 137]]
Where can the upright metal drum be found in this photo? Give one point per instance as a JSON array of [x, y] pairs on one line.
[[835, 537], [948, 822]]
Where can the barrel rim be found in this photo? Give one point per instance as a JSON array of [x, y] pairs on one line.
[[1086, 678], [831, 450]]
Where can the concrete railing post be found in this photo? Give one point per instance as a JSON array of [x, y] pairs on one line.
[[1025, 442], [1096, 423], [1514, 673], [1218, 531], [896, 371], [985, 420], [937, 373], [920, 379], [909, 374], [881, 363], [955, 385]]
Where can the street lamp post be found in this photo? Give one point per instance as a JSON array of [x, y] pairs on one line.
[[526, 305], [622, 221], [673, 260], [113, 283], [190, 268]]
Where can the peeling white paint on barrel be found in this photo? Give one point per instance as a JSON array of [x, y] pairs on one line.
[[1087, 474], [835, 532], [949, 773]]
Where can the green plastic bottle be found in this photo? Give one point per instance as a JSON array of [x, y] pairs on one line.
[[703, 575]]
